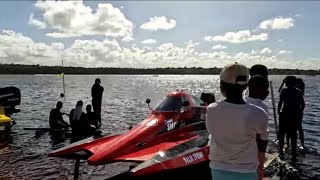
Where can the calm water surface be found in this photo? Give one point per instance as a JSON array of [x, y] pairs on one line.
[[24, 155]]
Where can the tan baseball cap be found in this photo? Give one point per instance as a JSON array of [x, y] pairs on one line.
[[235, 74]]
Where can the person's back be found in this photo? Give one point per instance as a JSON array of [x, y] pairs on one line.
[[234, 120], [97, 90], [77, 120], [53, 118], [96, 93], [234, 126], [292, 99]]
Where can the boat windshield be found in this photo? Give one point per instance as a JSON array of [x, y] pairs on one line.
[[169, 103]]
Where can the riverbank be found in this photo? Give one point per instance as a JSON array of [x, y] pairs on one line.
[[37, 69]]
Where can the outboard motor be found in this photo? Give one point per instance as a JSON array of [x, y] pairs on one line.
[[10, 97]]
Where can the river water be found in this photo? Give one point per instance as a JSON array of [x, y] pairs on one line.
[[24, 154]]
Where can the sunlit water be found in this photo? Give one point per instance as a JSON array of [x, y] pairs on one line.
[[24, 155]]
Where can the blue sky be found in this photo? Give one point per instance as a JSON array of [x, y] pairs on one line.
[[289, 37]]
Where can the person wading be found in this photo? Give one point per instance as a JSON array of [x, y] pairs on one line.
[[96, 93], [233, 126], [55, 118]]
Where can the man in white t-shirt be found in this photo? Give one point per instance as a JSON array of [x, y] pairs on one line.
[[234, 126], [258, 91]]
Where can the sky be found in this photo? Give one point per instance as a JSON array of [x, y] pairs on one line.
[[278, 34]]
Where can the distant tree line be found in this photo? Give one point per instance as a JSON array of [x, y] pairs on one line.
[[37, 69]]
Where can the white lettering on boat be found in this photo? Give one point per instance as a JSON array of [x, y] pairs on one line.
[[170, 124], [193, 157]]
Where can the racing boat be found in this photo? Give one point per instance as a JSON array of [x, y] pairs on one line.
[[10, 97], [171, 142], [171, 137]]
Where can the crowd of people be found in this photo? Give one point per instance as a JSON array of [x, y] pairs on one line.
[[82, 124], [239, 124]]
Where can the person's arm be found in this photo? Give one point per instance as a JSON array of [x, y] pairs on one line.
[[92, 91], [280, 102], [302, 104], [260, 118], [262, 134], [60, 119], [208, 121]]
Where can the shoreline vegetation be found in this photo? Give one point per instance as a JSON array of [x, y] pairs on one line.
[[37, 69]]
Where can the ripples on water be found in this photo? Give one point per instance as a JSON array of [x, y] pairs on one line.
[[24, 155]]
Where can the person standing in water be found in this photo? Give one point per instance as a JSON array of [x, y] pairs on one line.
[[91, 117], [77, 121], [290, 104], [96, 93], [234, 125]]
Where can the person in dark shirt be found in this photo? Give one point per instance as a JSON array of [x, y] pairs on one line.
[[290, 104], [301, 86], [55, 119], [91, 117], [96, 93], [78, 122]]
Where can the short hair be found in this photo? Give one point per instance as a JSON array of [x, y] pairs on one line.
[[59, 103], [97, 80], [290, 80], [259, 69], [258, 81], [300, 85], [80, 103]]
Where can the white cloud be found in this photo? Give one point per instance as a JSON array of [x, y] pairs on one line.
[[17, 48], [149, 41], [35, 22], [127, 39], [277, 23], [265, 51], [75, 19], [219, 47], [159, 23], [238, 37], [58, 46], [285, 52], [280, 40], [110, 53]]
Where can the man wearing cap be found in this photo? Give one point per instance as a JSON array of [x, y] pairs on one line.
[[234, 125], [96, 93]]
